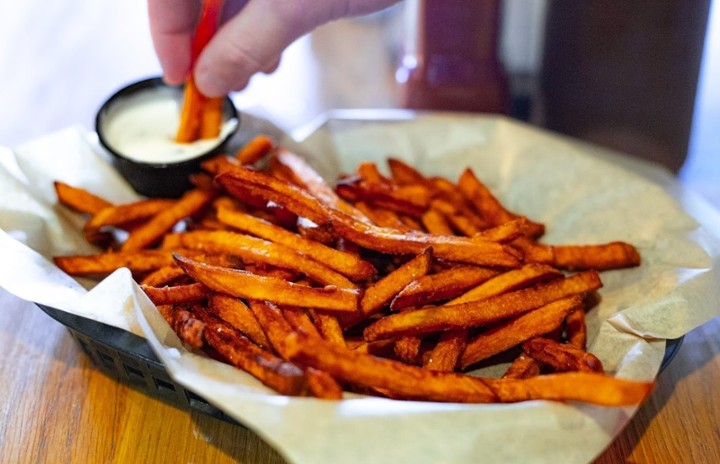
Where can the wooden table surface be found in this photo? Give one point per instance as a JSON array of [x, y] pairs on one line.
[[56, 407]]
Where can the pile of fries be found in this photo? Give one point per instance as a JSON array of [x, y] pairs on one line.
[[395, 285]]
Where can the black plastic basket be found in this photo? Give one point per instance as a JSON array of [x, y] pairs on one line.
[[129, 358]]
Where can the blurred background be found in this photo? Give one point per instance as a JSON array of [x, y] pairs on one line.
[[640, 77]]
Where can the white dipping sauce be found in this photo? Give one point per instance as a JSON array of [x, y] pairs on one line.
[[142, 127]]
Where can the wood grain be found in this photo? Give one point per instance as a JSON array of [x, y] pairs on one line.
[[680, 422]]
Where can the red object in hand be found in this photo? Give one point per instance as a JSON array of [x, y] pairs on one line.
[[207, 26], [201, 117]]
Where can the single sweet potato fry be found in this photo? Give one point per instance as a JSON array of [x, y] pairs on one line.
[[505, 232], [382, 291], [305, 176], [441, 286], [446, 352], [189, 329], [255, 149], [613, 255], [328, 327], [190, 113], [244, 284], [528, 275], [436, 223], [457, 249], [78, 199], [576, 329], [106, 263], [404, 174], [382, 217], [588, 387], [236, 313], [163, 276], [562, 357], [300, 320], [242, 182], [370, 173], [515, 331], [275, 326], [176, 294], [523, 367], [488, 205], [152, 231], [119, 215]]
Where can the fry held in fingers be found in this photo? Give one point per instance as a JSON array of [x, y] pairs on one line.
[[201, 116]]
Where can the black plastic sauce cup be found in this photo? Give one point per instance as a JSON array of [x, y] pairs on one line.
[[155, 179]]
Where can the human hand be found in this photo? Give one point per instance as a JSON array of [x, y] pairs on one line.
[[251, 37]]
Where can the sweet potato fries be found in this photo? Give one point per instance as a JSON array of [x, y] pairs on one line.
[[396, 285]]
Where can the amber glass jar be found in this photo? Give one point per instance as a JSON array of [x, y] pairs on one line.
[[450, 59]]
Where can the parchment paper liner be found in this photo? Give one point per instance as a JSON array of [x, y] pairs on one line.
[[583, 194]]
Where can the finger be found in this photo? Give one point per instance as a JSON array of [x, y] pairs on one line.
[[231, 8], [254, 39], [172, 26], [251, 41], [363, 7]]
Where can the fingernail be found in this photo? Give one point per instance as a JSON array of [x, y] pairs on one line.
[[172, 80], [208, 84]]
